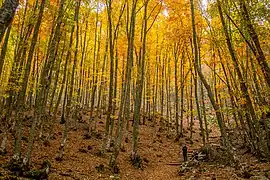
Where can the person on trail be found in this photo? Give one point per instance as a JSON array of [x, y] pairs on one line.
[[196, 155], [184, 149]]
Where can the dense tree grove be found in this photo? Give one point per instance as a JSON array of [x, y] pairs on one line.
[[141, 60]]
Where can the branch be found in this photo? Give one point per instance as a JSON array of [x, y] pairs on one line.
[[119, 19], [154, 19], [243, 36], [217, 75], [152, 11]]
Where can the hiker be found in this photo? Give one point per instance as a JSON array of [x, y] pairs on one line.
[[184, 149], [196, 155]]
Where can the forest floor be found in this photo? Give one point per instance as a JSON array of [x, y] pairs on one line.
[[161, 157]]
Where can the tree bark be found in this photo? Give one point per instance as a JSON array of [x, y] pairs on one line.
[[7, 12]]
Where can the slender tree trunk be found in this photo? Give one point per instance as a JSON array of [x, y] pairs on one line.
[[4, 50], [125, 102], [191, 107], [110, 100], [176, 56], [7, 12], [198, 106], [139, 85], [95, 71], [72, 80]]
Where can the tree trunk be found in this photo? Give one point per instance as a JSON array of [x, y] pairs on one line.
[[139, 85], [7, 12], [4, 51], [125, 101], [72, 80]]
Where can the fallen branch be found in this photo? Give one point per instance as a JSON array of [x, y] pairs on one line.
[[174, 164]]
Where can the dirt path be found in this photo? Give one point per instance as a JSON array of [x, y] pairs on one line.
[[167, 152]]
